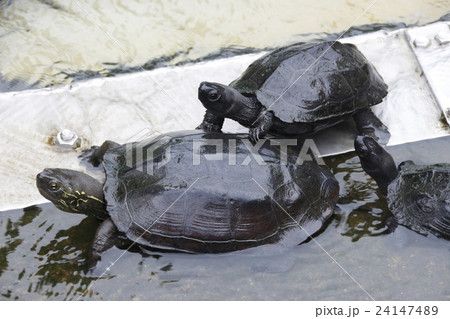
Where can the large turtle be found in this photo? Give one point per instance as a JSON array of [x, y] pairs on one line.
[[418, 195], [199, 192], [299, 89]]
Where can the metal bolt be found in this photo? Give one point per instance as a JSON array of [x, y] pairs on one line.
[[422, 41], [67, 139], [443, 37]]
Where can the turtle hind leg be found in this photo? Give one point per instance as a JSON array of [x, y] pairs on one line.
[[369, 125], [105, 237]]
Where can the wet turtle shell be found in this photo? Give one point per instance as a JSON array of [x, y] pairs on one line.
[[419, 197], [313, 81], [206, 193]]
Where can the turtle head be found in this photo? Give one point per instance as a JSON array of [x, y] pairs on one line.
[[218, 98], [226, 101], [72, 191], [376, 161]]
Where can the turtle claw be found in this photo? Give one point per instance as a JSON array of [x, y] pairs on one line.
[[263, 125], [211, 122], [207, 126], [254, 134]]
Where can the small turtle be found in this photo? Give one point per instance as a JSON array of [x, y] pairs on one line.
[[417, 195], [298, 90], [185, 192]]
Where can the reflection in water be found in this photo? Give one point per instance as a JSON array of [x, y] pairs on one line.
[[368, 214], [49, 260], [44, 253], [12, 234], [366, 221], [64, 258]]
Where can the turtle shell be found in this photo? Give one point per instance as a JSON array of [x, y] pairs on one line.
[[313, 81], [208, 193], [419, 197]]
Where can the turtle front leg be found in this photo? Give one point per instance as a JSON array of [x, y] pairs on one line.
[[368, 124], [95, 154], [105, 237], [211, 122], [262, 126]]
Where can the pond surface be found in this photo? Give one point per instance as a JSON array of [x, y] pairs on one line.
[[357, 257], [51, 42]]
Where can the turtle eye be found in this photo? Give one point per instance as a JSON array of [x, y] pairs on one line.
[[362, 150], [372, 145], [213, 95], [54, 186]]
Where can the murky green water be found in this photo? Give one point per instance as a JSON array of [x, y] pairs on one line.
[[43, 251]]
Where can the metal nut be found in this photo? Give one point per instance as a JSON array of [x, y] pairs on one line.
[[421, 41], [443, 37], [67, 139]]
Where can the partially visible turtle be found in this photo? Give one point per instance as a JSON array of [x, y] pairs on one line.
[[185, 192], [298, 90], [418, 195]]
